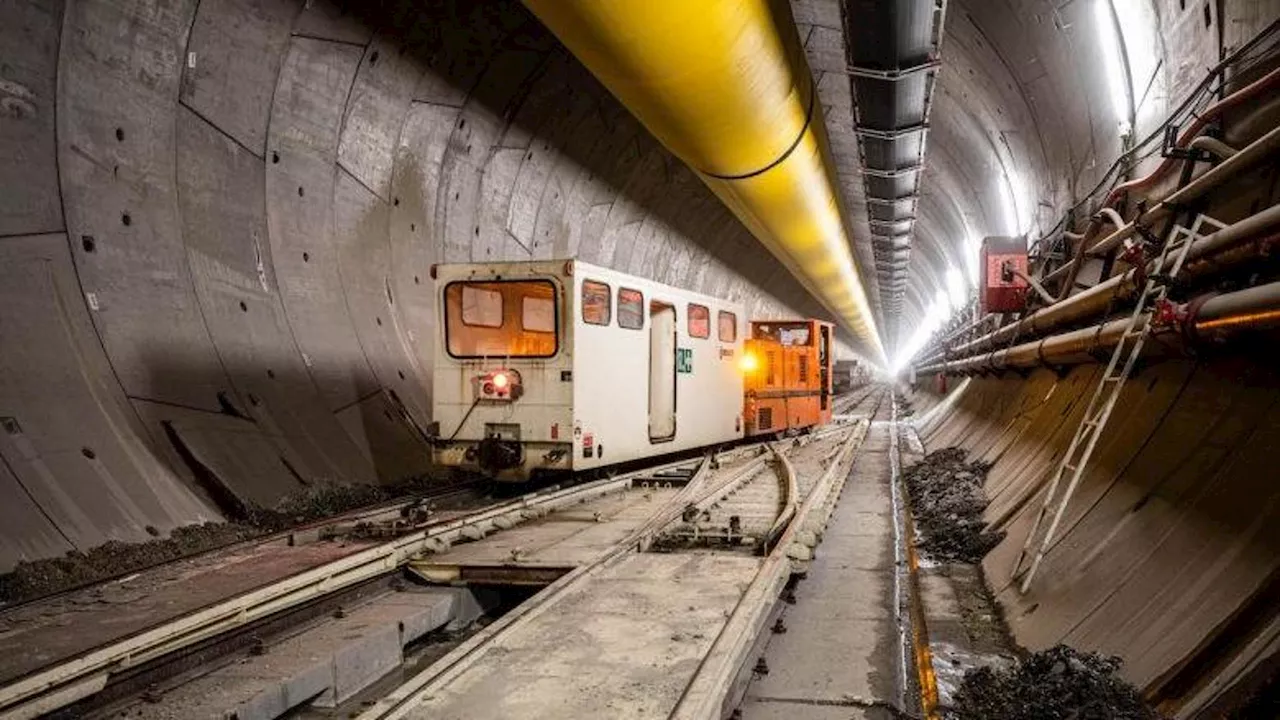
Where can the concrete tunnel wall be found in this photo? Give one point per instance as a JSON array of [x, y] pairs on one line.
[[216, 231], [1168, 554]]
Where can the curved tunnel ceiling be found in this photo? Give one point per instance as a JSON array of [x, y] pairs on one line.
[[218, 217], [1021, 109]]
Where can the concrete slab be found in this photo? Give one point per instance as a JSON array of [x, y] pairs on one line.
[[800, 710], [324, 665], [624, 644], [839, 654], [564, 538]]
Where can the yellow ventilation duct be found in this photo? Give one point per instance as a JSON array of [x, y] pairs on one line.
[[724, 85]]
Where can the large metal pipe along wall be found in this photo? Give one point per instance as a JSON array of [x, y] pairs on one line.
[[218, 219], [725, 86]]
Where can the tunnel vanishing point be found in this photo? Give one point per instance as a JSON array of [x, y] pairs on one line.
[[219, 221]]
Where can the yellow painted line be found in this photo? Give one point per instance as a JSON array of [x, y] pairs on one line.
[[919, 629]]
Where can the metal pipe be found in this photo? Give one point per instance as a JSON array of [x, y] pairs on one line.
[[1111, 216], [724, 85], [1213, 145], [1243, 160], [1120, 288], [1196, 127], [1035, 285], [1257, 308]]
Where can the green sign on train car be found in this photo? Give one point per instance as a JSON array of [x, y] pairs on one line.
[[684, 360]]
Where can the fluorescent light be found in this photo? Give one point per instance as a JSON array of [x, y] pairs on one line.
[[1113, 62], [972, 254], [1136, 20], [956, 288], [1014, 220], [937, 314]]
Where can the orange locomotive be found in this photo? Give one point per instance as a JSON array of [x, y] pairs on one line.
[[787, 369]]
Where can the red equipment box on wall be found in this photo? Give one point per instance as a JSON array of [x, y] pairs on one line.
[[1003, 290]]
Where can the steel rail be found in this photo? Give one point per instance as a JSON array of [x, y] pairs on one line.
[[63, 683], [440, 673], [699, 491], [707, 693]]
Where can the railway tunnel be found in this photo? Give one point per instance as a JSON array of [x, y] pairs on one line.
[[219, 222]]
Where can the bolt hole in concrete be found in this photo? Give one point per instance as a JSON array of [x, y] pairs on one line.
[[126, 219], [119, 134], [243, 307], [301, 192], [275, 157], [306, 257], [395, 202], [88, 243]]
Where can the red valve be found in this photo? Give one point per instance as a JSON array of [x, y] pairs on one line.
[[1168, 314]]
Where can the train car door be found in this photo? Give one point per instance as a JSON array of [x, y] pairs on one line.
[[662, 371], [824, 367]]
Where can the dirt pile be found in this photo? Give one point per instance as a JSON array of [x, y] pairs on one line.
[[315, 503], [947, 502], [1058, 683], [30, 580]]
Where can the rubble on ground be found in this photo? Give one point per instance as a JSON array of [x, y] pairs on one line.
[[1058, 683], [947, 502], [30, 580]]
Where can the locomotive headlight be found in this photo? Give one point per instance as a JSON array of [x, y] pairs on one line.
[[500, 385], [748, 363]]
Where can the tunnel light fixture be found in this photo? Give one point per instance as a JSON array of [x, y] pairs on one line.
[[1114, 64], [1014, 202], [957, 288], [1139, 46], [937, 315]]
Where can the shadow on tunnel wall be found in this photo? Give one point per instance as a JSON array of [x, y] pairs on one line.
[[497, 56], [230, 299]]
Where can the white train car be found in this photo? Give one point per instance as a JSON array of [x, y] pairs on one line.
[[562, 365]]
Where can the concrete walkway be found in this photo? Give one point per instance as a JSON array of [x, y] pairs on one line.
[[839, 656]]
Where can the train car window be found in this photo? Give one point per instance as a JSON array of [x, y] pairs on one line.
[[595, 303], [789, 334], [502, 318], [480, 307], [538, 314], [728, 323], [630, 309], [699, 321]]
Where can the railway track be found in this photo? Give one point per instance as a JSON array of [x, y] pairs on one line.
[[81, 675], [778, 492], [782, 493]]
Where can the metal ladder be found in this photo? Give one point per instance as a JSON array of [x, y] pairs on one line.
[[1154, 292]]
